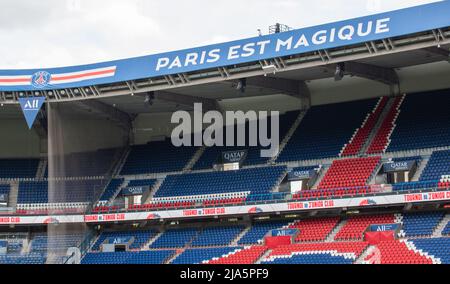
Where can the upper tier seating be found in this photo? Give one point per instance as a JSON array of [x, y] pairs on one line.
[[18, 168], [198, 256], [362, 134], [97, 163], [4, 188], [436, 174], [217, 236], [141, 257], [420, 224], [157, 157], [325, 130], [142, 182], [439, 248], [398, 252], [141, 237], [175, 238], [257, 232], [245, 180], [111, 189], [66, 191], [316, 229], [349, 173], [446, 231], [212, 155], [355, 226], [423, 122], [381, 140], [438, 166]]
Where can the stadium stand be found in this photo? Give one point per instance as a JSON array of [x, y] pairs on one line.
[[140, 257], [362, 134], [257, 232], [199, 256], [139, 238], [112, 188], [32, 192], [423, 122], [175, 238], [314, 229], [217, 236], [446, 231], [349, 173], [439, 248], [381, 140], [212, 155], [355, 226], [157, 157], [438, 166], [18, 168], [310, 142], [229, 184], [4, 188], [436, 173], [400, 252], [248, 255], [420, 224]]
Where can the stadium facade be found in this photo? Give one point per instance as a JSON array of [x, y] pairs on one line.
[[362, 174]]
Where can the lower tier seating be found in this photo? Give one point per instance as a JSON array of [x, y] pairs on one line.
[[397, 252], [139, 238], [140, 257], [316, 229], [248, 255], [199, 256], [355, 226], [420, 224]]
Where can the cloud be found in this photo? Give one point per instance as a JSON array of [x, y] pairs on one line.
[[50, 33]]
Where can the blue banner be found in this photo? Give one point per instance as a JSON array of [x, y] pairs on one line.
[[332, 35], [135, 190], [301, 175], [234, 156], [384, 227], [399, 166], [31, 107], [284, 232]]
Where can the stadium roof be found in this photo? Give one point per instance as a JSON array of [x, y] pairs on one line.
[[372, 47]]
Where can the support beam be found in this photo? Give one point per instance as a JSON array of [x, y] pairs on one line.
[[123, 119], [294, 88], [188, 101], [383, 75], [441, 52]]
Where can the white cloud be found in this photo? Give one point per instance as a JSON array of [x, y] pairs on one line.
[[49, 33]]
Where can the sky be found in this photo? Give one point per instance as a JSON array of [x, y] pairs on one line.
[[55, 33]]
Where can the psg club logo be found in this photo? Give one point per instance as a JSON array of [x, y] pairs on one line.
[[40, 79]]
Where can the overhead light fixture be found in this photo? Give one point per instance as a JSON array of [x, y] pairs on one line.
[[339, 73], [241, 85], [269, 69]]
